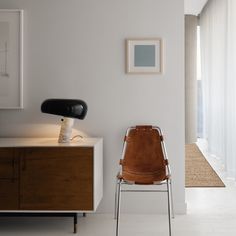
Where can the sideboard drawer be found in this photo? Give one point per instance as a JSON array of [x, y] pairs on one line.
[[9, 185], [8, 168], [57, 178]]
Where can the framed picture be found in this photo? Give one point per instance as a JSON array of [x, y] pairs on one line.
[[144, 56], [11, 59]]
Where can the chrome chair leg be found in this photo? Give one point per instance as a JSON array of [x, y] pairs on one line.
[[116, 192], [118, 208], [172, 201], [168, 198]]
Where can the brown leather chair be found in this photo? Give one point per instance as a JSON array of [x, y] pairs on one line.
[[144, 162]]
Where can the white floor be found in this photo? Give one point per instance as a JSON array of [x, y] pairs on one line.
[[211, 212]]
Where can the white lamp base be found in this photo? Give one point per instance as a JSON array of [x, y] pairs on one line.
[[66, 130]]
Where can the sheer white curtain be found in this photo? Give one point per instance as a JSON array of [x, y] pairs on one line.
[[218, 55]]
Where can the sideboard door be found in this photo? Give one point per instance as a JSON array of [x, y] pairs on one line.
[[9, 195], [56, 178]]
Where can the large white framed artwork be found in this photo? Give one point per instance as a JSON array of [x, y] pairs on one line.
[[11, 59]]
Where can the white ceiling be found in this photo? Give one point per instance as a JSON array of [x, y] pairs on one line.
[[193, 7]]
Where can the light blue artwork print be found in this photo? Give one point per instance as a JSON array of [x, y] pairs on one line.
[[144, 55]]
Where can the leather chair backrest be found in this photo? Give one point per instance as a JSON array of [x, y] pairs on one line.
[[143, 161]]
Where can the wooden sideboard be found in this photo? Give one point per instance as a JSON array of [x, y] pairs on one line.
[[41, 175]]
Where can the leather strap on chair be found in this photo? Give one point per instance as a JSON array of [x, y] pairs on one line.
[[143, 127], [168, 176], [157, 182], [126, 139], [119, 176], [166, 162], [161, 137]]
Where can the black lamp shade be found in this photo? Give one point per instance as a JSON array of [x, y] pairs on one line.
[[72, 108]]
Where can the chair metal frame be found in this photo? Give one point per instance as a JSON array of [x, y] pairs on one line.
[[167, 182]]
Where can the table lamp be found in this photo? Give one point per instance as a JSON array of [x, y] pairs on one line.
[[69, 109]]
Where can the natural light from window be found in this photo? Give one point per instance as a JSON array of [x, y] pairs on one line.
[[198, 55]]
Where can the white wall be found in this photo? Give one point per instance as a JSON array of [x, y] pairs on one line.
[[75, 49]]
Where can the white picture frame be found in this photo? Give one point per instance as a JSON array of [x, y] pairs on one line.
[[11, 59], [144, 56]]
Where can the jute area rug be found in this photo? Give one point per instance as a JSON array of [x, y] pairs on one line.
[[198, 172]]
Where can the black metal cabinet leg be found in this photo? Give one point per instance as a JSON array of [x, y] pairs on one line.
[[84, 214], [75, 223]]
